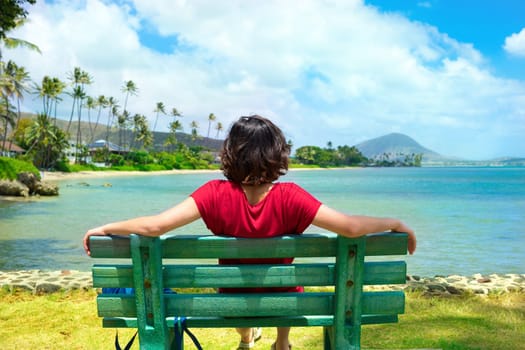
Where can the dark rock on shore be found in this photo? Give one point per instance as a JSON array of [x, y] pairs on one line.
[[27, 184]]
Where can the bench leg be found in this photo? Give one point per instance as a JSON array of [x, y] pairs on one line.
[[328, 336]]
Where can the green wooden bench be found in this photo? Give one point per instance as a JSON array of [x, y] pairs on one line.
[[340, 310]]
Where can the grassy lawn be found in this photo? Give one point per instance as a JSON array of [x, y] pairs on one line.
[[68, 320]]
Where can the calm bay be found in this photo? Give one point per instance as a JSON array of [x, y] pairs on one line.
[[468, 220]]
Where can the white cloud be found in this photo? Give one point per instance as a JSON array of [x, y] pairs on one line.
[[331, 70], [515, 43]]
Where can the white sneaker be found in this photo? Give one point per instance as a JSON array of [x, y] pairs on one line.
[[256, 335]]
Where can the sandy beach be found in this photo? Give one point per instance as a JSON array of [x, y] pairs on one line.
[[57, 175]]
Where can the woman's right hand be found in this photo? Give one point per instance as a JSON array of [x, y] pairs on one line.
[[412, 242], [98, 231]]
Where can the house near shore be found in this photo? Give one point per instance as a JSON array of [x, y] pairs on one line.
[[73, 151], [110, 146], [11, 149]]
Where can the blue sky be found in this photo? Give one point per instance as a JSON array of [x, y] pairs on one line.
[[450, 74], [483, 23]]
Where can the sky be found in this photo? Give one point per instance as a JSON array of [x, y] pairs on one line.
[[450, 74]]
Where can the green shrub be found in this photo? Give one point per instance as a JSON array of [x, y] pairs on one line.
[[150, 167], [10, 168], [67, 167]]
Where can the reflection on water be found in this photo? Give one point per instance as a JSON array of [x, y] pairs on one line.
[[43, 254]]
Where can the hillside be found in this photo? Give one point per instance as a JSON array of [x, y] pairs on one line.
[[394, 144]]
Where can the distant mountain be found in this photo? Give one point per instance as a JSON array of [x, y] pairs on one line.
[[396, 144]]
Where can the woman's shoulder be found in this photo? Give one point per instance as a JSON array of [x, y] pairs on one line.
[[220, 184], [288, 187]]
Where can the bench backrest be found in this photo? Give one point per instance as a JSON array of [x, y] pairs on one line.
[[195, 273]]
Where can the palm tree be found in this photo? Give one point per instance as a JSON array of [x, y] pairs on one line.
[[219, 129], [79, 94], [174, 126], [122, 121], [8, 114], [194, 130], [90, 104], [141, 130], [211, 118], [112, 105], [130, 89], [159, 108], [79, 79], [13, 84], [20, 78], [50, 91], [175, 113], [47, 142], [75, 80], [44, 91], [136, 120], [7, 88], [101, 103]]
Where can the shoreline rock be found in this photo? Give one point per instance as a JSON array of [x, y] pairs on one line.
[[43, 282], [27, 184], [457, 285]]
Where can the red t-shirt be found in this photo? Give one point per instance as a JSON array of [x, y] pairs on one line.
[[286, 209]]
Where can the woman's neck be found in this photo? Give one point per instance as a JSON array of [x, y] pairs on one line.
[[256, 193]]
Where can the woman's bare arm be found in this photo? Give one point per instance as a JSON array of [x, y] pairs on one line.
[[154, 225], [356, 226]]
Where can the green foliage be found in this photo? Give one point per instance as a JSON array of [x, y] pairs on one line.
[[167, 160], [9, 168], [13, 11], [47, 142], [329, 157], [140, 157], [116, 160], [66, 167]]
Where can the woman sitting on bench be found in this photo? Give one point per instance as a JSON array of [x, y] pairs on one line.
[[251, 204]]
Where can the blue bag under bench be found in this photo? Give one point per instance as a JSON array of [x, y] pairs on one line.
[[341, 308]]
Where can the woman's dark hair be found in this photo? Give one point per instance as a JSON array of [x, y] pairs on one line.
[[254, 152]]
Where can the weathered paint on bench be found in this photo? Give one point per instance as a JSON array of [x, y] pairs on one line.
[[340, 310]]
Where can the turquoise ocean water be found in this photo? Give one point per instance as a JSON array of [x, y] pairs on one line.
[[468, 220]]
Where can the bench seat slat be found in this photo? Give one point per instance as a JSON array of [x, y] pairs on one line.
[[386, 244], [243, 305], [383, 303], [324, 246], [213, 305], [187, 247], [385, 272], [232, 276], [214, 276], [112, 276]]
